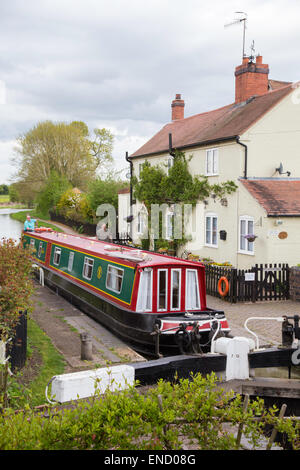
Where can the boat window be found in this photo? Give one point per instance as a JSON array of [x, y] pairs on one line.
[[114, 278], [32, 242], [175, 289], [71, 260], [144, 302], [192, 290], [56, 256], [40, 249], [162, 286], [88, 268]]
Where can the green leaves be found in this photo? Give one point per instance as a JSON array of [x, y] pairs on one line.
[[168, 416], [15, 285]]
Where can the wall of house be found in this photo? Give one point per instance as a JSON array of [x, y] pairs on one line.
[[274, 139], [123, 211]]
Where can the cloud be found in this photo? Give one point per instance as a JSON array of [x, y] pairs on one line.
[[121, 63]]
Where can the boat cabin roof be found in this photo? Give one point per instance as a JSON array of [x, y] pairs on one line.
[[130, 255]]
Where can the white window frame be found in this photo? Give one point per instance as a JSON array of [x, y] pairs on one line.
[[110, 269], [170, 163], [71, 260], [166, 295], [141, 293], [179, 289], [212, 162], [140, 222], [197, 290], [87, 265], [169, 225], [210, 243], [56, 256], [249, 246], [40, 249]]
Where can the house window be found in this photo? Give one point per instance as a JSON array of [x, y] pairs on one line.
[[144, 301], [140, 223], [175, 289], [88, 268], [170, 162], [246, 228], [211, 230], [212, 162], [114, 278], [169, 225], [56, 256], [162, 289], [71, 261], [40, 249], [192, 300]]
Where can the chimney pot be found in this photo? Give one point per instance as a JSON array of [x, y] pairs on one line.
[[177, 108]]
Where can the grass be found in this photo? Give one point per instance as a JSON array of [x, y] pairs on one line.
[[4, 198], [52, 362]]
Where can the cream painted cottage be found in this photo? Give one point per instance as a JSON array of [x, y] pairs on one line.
[[255, 142]]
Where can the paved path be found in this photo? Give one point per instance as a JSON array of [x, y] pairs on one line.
[[267, 329], [63, 323]]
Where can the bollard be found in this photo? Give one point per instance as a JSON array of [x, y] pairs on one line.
[[86, 347]]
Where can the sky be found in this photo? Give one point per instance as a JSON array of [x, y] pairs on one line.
[[119, 64]]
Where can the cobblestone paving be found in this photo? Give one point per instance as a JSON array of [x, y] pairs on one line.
[[267, 329]]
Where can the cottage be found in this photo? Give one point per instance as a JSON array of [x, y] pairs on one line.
[[253, 141]]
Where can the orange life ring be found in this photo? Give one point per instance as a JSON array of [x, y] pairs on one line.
[[224, 292]]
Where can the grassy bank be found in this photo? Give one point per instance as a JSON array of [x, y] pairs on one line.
[[43, 362], [21, 217]]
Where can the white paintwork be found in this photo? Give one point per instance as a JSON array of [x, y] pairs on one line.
[[236, 351], [83, 384], [2, 352]]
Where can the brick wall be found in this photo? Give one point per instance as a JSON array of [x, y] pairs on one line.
[[251, 79]]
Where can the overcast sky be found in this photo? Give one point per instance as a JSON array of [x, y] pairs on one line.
[[118, 64]]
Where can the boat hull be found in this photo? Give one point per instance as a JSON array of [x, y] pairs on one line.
[[135, 328]]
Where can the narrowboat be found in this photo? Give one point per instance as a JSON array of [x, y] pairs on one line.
[[154, 302]]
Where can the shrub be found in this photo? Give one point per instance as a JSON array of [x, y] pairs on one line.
[[167, 417], [16, 285]]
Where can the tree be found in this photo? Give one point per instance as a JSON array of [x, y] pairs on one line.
[[104, 191], [63, 148], [4, 189], [178, 186], [51, 193]]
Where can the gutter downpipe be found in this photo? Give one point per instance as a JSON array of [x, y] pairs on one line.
[[128, 159], [131, 165], [171, 150], [246, 156]]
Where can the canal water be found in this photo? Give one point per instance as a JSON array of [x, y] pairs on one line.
[[10, 228]]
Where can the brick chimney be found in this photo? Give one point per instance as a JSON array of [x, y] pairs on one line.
[[251, 79], [177, 108]]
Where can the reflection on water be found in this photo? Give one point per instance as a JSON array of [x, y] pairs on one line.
[[10, 228]]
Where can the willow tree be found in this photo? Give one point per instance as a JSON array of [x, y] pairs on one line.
[[156, 187], [64, 148]]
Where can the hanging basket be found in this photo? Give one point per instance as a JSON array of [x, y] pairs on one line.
[[250, 237]]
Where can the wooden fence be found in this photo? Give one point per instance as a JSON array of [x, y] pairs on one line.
[[261, 282], [17, 348]]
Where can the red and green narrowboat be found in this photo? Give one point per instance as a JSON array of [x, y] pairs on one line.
[[151, 301]]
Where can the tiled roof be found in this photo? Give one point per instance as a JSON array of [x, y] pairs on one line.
[[279, 197], [275, 84], [219, 124]]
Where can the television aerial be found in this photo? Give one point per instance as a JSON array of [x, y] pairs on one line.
[[241, 19]]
